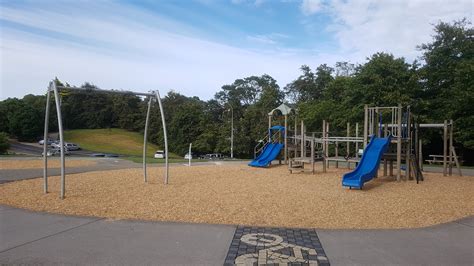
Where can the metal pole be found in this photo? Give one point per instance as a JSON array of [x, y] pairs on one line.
[[286, 142], [190, 154], [145, 137], [45, 139], [61, 140], [232, 133], [157, 94]]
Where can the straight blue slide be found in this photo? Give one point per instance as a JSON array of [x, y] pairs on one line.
[[269, 154], [368, 165]]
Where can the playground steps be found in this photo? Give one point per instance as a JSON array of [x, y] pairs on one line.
[[300, 170], [302, 159], [297, 165]]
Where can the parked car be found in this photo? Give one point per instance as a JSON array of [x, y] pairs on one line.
[[55, 151], [67, 145], [48, 142], [188, 156], [214, 156], [72, 146], [159, 154]]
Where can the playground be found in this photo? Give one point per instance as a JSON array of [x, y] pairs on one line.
[[238, 194], [322, 180]]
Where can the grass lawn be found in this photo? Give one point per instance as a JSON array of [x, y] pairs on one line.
[[113, 140]]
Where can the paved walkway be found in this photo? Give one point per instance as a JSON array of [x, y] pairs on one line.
[[40, 238], [102, 164]]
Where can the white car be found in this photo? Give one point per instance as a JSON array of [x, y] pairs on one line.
[[54, 152], [188, 156], [68, 146], [48, 142], [159, 155], [72, 146]]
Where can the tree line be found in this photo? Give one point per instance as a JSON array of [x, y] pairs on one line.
[[438, 85]]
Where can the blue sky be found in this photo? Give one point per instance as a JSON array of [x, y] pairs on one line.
[[195, 47]]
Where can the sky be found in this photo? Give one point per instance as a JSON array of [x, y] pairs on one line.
[[194, 47]]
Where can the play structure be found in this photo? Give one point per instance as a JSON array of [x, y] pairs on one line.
[[55, 89], [394, 143]]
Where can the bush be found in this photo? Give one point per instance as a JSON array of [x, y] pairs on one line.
[[4, 145]]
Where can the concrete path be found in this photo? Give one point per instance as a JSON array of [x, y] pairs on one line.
[[445, 244], [40, 238], [102, 164]]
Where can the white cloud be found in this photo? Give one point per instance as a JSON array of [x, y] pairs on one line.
[[364, 27], [116, 52], [310, 7]]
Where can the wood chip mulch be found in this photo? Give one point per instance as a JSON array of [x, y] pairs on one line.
[[238, 194]]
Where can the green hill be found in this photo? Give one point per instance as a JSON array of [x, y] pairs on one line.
[[114, 140]]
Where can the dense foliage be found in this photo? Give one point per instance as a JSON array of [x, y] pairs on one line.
[[440, 86], [4, 145]]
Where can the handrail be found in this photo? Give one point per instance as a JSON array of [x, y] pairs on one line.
[[264, 142]]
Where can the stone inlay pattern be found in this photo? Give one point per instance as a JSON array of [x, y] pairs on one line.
[[275, 246]]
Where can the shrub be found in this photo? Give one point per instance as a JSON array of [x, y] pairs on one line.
[[4, 145]]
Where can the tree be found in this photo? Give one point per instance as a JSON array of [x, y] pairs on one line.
[[447, 77], [4, 145], [310, 86]]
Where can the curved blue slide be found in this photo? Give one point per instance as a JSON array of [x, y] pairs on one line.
[[368, 165], [269, 154]]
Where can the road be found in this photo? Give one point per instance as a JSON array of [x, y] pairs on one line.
[[37, 150]]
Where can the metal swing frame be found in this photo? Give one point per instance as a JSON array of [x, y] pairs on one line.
[[54, 88]]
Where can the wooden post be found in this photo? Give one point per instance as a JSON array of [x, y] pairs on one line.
[[366, 121], [420, 154], [457, 162], [399, 143], [324, 146], [327, 144], [337, 153], [408, 145], [391, 168], [348, 147], [303, 153], [376, 122], [357, 143], [445, 147], [296, 134], [451, 147]]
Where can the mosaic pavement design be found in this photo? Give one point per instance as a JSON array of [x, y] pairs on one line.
[[275, 246]]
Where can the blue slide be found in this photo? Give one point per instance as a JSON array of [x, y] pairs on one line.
[[269, 154], [368, 165]]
